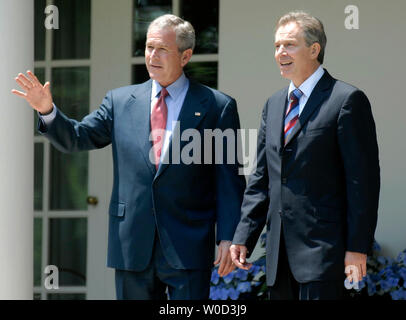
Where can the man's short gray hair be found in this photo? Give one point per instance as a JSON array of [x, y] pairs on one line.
[[185, 33], [313, 30]]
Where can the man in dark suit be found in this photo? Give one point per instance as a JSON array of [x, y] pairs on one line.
[[316, 185], [162, 212]]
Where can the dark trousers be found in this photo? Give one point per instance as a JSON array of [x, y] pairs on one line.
[[159, 280], [287, 288]]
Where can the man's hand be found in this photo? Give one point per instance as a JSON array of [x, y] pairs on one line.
[[355, 266], [37, 95], [223, 257], [238, 253]]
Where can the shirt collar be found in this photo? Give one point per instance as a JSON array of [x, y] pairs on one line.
[[174, 89], [308, 85]]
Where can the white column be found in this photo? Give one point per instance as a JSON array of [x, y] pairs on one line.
[[16, 155]]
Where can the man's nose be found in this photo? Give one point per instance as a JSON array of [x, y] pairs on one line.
[[154, 53], [281, 50]]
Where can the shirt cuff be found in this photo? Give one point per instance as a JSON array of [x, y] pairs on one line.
[[48, 118]]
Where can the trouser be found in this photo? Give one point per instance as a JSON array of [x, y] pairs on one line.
[[287, 288], [160, 281]]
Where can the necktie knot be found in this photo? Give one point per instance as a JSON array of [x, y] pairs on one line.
[[295, 94], [164, 93]]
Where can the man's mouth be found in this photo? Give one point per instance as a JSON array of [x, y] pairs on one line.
[[155, 66], [283, 64]]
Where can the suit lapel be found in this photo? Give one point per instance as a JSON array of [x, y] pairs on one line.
[[139, 106], [317, 96], [280, 117], [191, 114]]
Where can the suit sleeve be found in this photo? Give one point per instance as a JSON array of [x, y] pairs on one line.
[[230, 184], [93, 132], [359, 151], [256, 197]]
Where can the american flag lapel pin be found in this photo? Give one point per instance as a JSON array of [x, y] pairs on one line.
[[197, 114]]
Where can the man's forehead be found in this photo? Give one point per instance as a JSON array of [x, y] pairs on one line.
[[290, 30]]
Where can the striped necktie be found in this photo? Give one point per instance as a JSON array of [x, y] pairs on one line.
[[292, 113]]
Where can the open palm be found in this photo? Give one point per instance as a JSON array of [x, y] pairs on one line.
[[37, 95]]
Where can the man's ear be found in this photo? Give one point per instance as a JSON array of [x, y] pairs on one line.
[[186, 55], [315, 50]]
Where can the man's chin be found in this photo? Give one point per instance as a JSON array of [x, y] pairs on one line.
[[286, 75]]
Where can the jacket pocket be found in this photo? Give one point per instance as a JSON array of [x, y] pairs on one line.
[[117, 209]]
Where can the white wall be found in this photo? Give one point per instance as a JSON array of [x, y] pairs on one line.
[[371, 58]]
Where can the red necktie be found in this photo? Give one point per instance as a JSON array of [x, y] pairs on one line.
[[158, 125]]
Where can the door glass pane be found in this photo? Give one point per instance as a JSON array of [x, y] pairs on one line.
[[40, 74], [68, 181], [203, 72], [69, 172], [204, 16], [140, 74], [66, 296], [38, 175], [39, 29], [37, 250], [67, 249], [144, 12], [72, 39]]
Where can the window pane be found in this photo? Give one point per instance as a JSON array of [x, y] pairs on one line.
[[68, 181], [37, 251], [69, 172], [203, 72], [39, 29], [140, 74], [66, 296], [144, 12], [38, 175], [68, 240], [70, 90], [40, 74], [72, 39], [37, 296], [204, 16]]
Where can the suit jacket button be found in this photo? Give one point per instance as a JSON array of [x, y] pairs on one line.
[[284, 180]]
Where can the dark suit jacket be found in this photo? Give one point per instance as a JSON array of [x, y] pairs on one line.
[[182, 202], [322, 188]]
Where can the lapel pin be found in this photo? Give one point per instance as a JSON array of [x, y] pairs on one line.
[[197, 114]]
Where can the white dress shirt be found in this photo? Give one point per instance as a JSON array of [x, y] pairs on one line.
[[307, 87]]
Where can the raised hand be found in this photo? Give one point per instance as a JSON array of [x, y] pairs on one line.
[[37, 95]]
